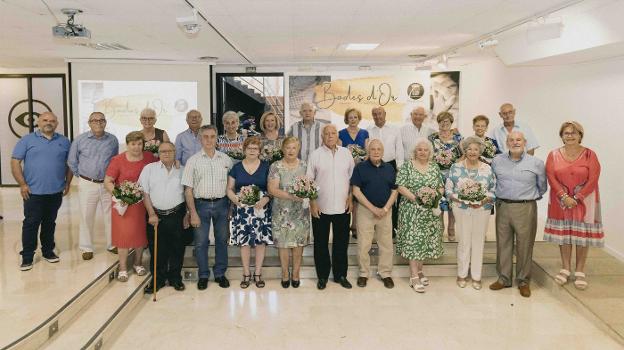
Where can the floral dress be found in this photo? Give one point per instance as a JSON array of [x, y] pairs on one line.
[[271, 149], [248, 227], [419, 234], [445, 154], [291, 222]]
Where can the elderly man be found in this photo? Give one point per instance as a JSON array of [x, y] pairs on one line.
[[308, 131], [187, 143], [331, 167], [43, 182], [374, 186], [89, 156], [500, 133], [163, 195], [205, 178], [520, 181], [413, 131]]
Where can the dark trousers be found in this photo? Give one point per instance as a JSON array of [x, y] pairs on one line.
[[395, 206], [40, 210], [340, 228], [170, 246]]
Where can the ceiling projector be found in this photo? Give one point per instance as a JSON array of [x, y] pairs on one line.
[[70, 30]]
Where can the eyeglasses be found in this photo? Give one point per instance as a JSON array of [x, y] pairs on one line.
[[148, 119], [98, 121], [507, 113], [166, 151], [573, 133]]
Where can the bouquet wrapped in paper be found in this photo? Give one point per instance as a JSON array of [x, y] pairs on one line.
[[358, 153], [445, 158], [489, 151], [236, 154], [248, 196], [271, 153], [470, 191], [152, 146], [126, 194], [305, 188], [429, 198]]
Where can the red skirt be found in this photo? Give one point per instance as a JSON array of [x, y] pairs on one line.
[[128, 231]]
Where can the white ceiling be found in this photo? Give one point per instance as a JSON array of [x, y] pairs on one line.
[[266, 31]]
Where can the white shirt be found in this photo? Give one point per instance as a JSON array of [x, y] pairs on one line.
[[163, 186], [390, 136], [332, 173], [409, 134], [207, 176], [500, 134]]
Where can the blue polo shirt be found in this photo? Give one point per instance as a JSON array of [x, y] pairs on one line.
[[375, 182], [44, 161]]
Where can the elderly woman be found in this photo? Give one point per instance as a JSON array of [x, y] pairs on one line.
[[574, 207], [490, 146], [270, 125], [152, 135], [291, 221], [470, 187], [419, 234], [251, 224], [446, 151], [129, 229], [231, 141]]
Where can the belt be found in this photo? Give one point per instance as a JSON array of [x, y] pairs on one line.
[[511, 201], [170, 211], [92, 180], [209, 199]]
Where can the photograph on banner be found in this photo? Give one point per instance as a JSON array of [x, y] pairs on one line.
[[122, 103], [445, 93], [332, 94]]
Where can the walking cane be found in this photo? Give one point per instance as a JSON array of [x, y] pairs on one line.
[[155, 259]]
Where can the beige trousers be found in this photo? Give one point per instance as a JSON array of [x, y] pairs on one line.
[[369, 227], [471, 225]]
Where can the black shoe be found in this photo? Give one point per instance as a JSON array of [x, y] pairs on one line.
[[361, 281], [321, 284], [51, 257], [27, 264], [286, 284], [202, 283], [177, 285], [388, 282], [223, 282], [296, 283], [149, 289], [343, 282]]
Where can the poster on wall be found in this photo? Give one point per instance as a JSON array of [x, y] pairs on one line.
[[445, 93], [332, 94]]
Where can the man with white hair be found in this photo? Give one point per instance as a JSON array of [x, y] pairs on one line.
[[501, 132], [413, 131], [308, 131], [331, 166]]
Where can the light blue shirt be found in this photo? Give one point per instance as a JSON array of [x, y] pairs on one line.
[[187, 144], [45, 161], [500, 133], [523, 179], [89, 156]]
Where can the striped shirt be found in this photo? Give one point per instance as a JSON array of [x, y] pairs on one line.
[[224, 144], [89, 155], [207, 176], [310, 138], [410, 134]]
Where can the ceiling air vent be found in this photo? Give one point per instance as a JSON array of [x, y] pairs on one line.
[[106, 46]]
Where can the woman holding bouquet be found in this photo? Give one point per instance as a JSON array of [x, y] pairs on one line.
[[271, 139], [490, 149], [251, 222], [419, 234], [128, 228], [470, 187], [291, 218], [152, 135], [231, 142], [574, 207], [446, 151]]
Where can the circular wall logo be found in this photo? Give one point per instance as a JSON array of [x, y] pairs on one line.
[[18, 116], [415, 91]]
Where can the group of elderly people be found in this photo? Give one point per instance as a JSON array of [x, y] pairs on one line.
[[194, 183]]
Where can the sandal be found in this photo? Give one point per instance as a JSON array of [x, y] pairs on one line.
[[423, 279], [122, 276], [579, 281], [476, 285], [461, 282], [258, 280], [416, 285], [245, 282], [139, 270], [562, 277]]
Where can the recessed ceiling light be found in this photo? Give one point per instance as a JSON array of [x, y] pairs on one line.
[[361, 46]]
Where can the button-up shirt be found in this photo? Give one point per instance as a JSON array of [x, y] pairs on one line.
[[163, 186], [500, 134], [375, 181], [207, 175], [45, 161], [331, 171], [410, 134], [390, 136], [310, 138], [89, 155], [523, 179], [187, 144]]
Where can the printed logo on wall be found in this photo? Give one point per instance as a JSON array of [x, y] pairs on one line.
[[415, 91], [19, 123]]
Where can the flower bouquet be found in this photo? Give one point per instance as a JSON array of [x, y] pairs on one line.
[[248, 196], [429, 198], [304, 187], [489, 151], [358, 153], [152, 146], [470, 191], [126, 194], [445, 158], [236, 154], [271, 153]]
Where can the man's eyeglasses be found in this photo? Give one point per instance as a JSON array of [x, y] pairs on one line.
[[147, 119], [98, 121]]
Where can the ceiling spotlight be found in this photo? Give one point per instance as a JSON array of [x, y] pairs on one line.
[[189, 25], [483, 44]]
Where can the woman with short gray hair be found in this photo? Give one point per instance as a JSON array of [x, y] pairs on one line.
[[470, 188], [231, 142]]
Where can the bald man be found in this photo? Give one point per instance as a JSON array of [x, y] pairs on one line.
[[43, 180], [308, 130], [508, 115]]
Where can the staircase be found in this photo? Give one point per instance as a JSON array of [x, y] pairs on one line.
[[260, 89]]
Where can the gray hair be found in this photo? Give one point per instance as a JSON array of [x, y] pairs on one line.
[[208, 127], [148, 112], [421, 141], [515, 132], [230, 115], [167, 143], [472, 140], [307, 104]]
